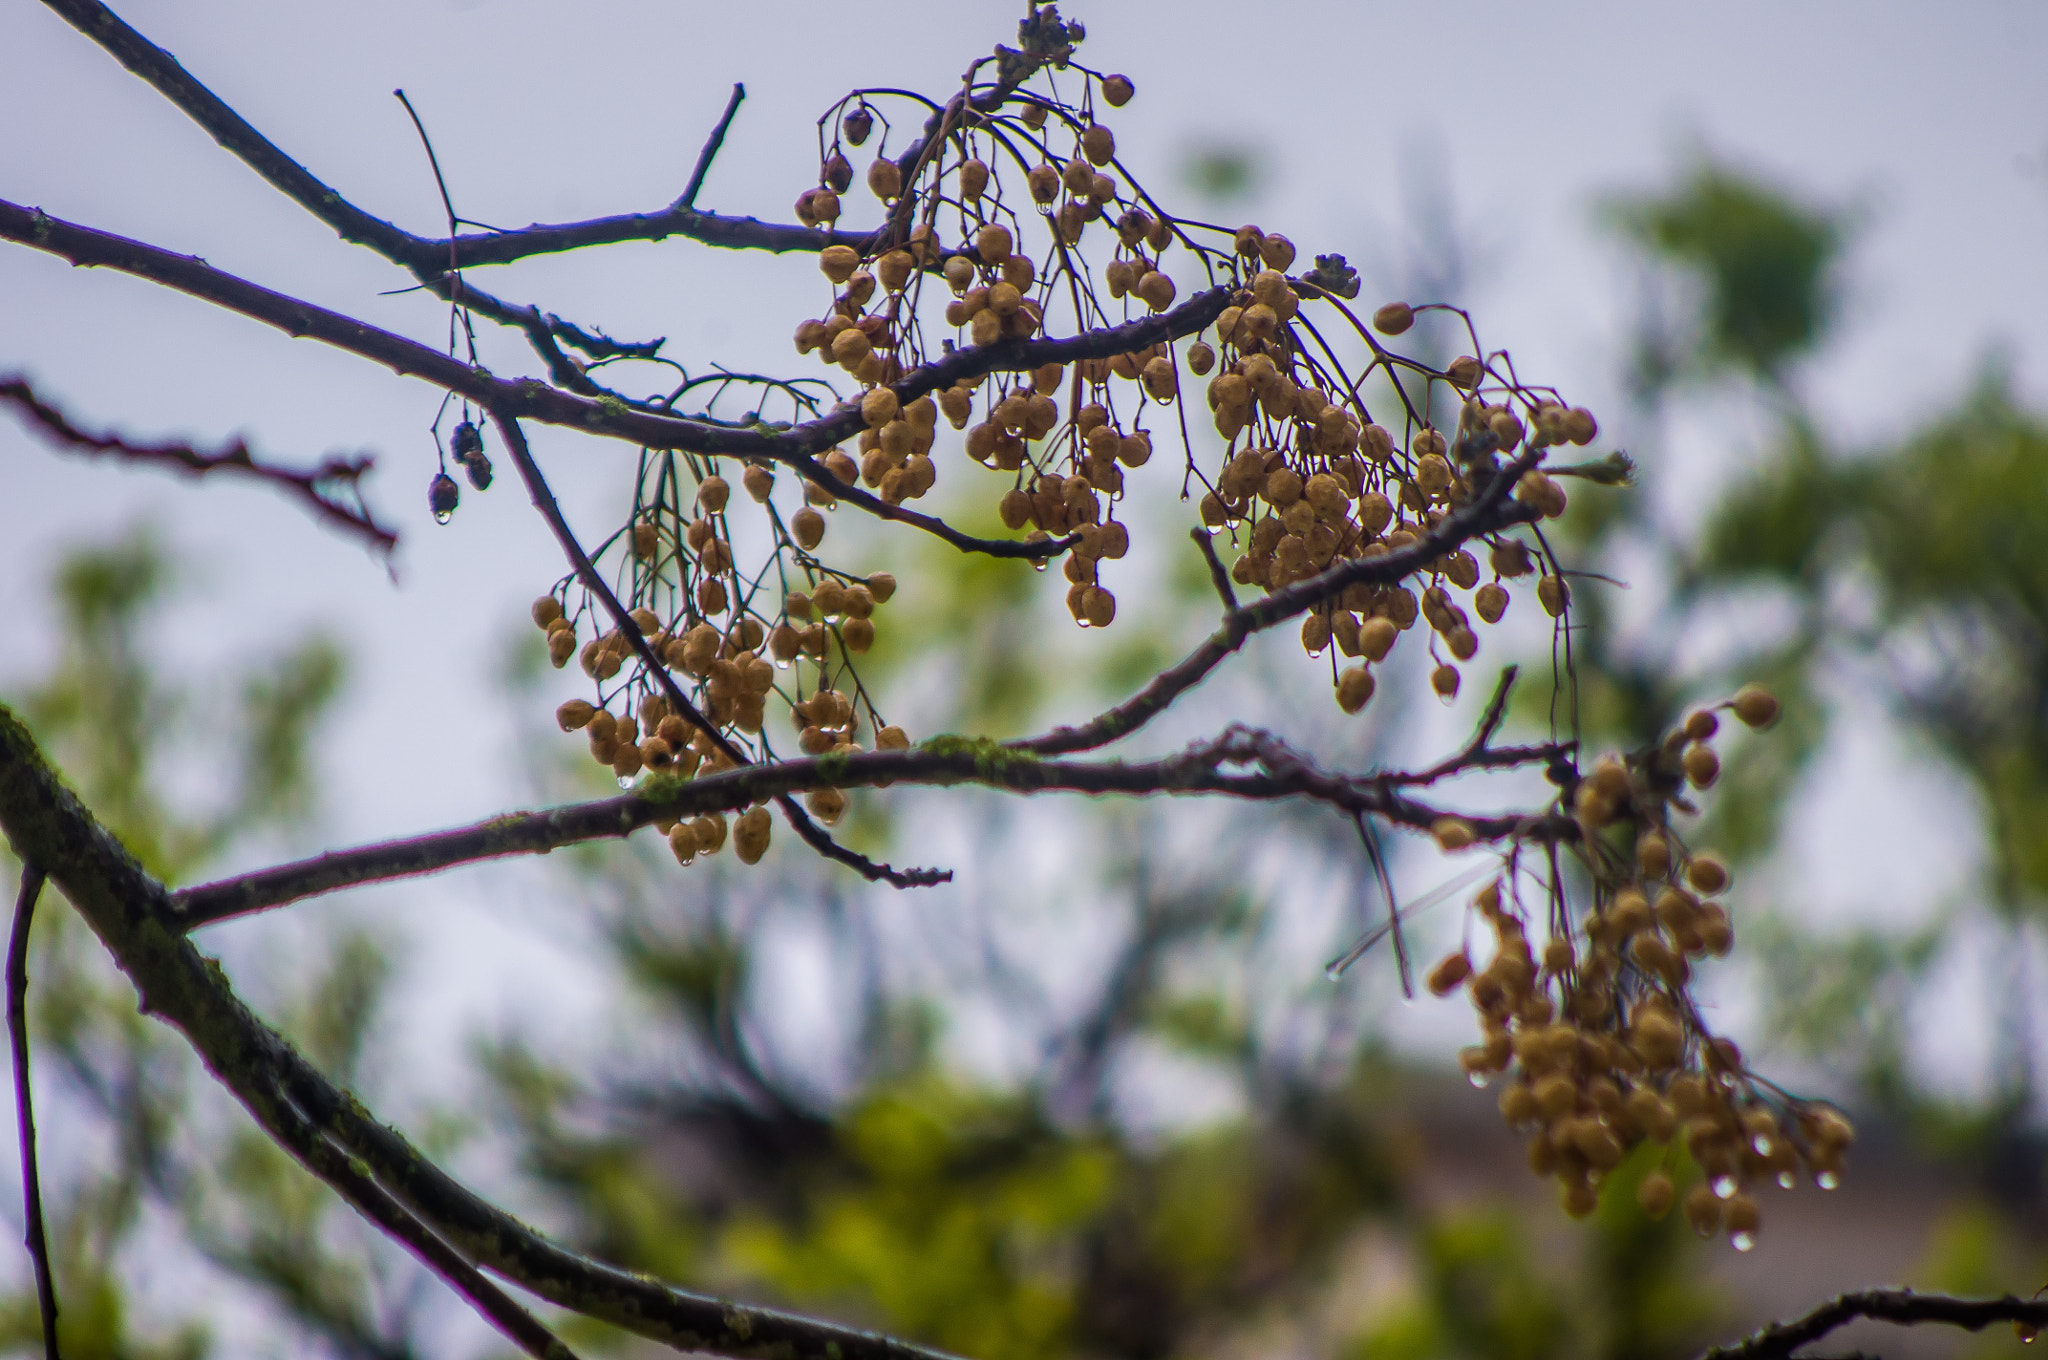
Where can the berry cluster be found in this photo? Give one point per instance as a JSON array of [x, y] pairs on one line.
[[1598, 1032]]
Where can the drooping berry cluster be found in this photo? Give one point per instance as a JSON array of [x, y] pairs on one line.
[[1597, 1032], [1012, 220]]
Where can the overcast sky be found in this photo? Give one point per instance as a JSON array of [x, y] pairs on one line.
[[1929, 119]]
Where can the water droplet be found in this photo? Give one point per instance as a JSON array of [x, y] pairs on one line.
[[1827, 1180], [1742, 1241], [443, 516], [1724, 1186], [625, 781], [1762, 1145], [1786, 1180], [1478, 1078]]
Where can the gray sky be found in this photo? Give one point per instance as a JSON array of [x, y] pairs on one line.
[[1928, 117]]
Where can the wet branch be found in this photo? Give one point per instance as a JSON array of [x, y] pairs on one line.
[[1217, 767], [528, 398], [131, 914], [318, 488], [38, 1244], [1902, 1307]]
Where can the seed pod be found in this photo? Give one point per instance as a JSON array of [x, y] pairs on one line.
[[750, 835], [827, 805], [1450, 974], [1707, 873], [545, 611], [1452, 833], [1376, 638], [1078, 177], [1553, 594], [626, 762], [1702, 766], [885, 179], [1156, 290], [1432, 475], [849, 348], [1201, 358], [857, 634], [561, 646], [442, 497], [575, 714], [973, 179], [838, 262], [1044, 182], [713, 493], [1393, 319], [1755, 705], [837, 174], [858, 124], [879, 406], [1491, 601], [1444, 680], [682, 840], [894, 270], [1655, 1193], [1463, 642], [1098, 144], [1158, 375], [1579, 425], [1277, 251], [711, 597], [1117, 90]]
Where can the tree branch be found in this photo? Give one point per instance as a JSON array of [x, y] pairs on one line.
[[299, 1136], [942, 762], [1486, 513], [33, 1237], [420, 254], [1900, 1306], [311, 488], [688, 199], [530, 399], [132, 915]]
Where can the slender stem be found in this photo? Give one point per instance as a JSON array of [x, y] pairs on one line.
[[24, 1108], [716, 140]]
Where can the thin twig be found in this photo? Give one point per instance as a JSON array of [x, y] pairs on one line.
[[711, 145], [24, 1106], [1900, 1306], [315, 488], [1219, 575]]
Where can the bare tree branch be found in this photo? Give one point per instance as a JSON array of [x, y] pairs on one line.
[[1201, 769], [316, 488], [38, 1244], [299, 1136], [1900, 1306], [132, 915], [711, 144], [530, 399]]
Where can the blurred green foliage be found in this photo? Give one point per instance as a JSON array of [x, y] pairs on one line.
[[138, 1149]]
